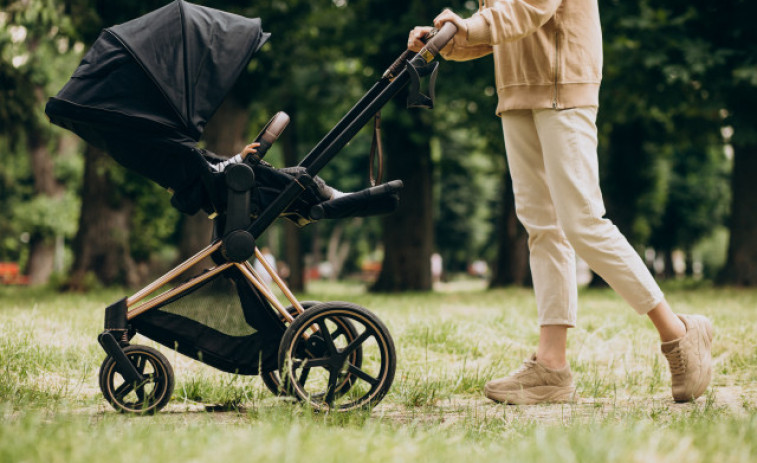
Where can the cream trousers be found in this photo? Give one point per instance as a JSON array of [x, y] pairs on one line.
[[552, 156]]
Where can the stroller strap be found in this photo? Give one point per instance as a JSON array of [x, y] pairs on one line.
[[376, 148]]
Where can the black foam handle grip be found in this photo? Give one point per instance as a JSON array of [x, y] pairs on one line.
[[439, 39], [377, 200]]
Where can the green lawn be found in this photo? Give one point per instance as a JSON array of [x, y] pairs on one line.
[[449, 343]]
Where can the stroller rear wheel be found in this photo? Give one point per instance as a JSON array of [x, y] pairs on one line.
[[343, 334], [316, 362], [147, 397], [271, 378]]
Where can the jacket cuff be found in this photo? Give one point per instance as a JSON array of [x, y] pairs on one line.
[[479, 32]]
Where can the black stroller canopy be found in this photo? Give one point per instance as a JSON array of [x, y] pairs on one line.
[[146, 89], [192, 54]]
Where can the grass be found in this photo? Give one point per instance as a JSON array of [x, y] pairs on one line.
[[449, 343]]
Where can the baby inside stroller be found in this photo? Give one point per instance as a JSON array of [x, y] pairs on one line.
[[144, 93]]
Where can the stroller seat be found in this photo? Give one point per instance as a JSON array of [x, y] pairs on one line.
[[318, 201]]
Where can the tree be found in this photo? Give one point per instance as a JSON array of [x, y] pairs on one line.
[[35, 50], [511, 267], [716, 56]]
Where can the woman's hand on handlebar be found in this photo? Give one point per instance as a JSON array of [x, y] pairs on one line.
[[415, 40], [448, 16]]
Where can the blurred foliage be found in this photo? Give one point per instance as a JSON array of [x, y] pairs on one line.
[[676, 73], [37, 53]]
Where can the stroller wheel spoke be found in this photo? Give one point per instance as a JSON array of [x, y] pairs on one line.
[[357, 342], [362, 375], [327, 337], [304, 375], [331, 390], [314, 363], [339, 331], [123, 390], [140, 365]]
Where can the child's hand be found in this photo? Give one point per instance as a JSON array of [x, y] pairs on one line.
[[252, 148]]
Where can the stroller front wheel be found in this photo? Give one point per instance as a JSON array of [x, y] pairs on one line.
[[315, 361], [147, 397]]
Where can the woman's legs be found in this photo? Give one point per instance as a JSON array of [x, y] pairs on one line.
[[569, 142], [552, 258], [553, 161]]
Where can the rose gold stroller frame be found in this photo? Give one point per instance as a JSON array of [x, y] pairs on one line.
[[135, 308]]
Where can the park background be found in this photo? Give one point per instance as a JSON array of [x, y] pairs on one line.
[[678, 159], [678, 147]]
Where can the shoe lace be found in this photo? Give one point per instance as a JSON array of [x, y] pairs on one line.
[[524, 368], [676, 361]]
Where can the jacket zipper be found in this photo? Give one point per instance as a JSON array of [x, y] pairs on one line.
[[557, 67]]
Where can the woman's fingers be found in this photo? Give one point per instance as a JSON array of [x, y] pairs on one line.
[[448, 16], [414, 40]]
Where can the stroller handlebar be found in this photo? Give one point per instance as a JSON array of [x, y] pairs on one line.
[[437, 39], [434, 40], [269, 135]]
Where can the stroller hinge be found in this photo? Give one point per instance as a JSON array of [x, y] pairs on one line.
[[115, 316], [416, 99], [238, 244]]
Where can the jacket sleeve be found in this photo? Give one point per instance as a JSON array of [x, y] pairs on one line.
[[456, 51], [509, 20]]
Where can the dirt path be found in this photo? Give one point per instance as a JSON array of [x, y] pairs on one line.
[[481, 412], [731, 399]]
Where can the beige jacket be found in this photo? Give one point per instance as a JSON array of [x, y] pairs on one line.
[[547, 53]]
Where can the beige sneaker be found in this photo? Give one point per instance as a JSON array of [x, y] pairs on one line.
[[690, 358], [532, 383]]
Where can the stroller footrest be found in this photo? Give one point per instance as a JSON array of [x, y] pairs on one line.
[[377, 200]]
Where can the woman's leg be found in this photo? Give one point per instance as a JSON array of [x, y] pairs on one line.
[[552, 258], [569, 141]]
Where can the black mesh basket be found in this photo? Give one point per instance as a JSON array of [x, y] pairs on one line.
[[225, 322]]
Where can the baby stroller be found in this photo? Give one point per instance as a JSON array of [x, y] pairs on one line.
[[144, 93]]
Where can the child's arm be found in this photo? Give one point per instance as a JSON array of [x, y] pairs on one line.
[[252, 148]]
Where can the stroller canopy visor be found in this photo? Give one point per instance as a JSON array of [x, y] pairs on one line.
[[146, 89], [191, 54]]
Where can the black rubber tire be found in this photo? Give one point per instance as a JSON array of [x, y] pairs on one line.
[[147, 398], [272, 380], [301, 353]]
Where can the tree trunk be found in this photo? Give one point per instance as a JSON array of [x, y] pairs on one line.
[[339, 249], [41, 248], [408, 234], [741, 265], [669, 271], [101, 245], [293, 254], [512, 264]]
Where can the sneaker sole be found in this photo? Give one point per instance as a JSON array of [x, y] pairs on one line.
[[533, 395]]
